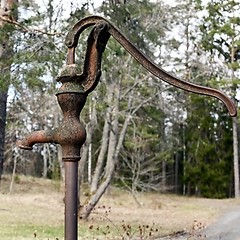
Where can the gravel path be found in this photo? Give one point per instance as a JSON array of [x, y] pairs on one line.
[[227, 227]]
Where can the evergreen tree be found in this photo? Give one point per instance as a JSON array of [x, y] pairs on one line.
[[220, 38], [208, 168]]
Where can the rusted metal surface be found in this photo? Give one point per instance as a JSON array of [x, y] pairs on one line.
[[71, 41], [96, 44], [71, 201], [70, 135], [76, 85]]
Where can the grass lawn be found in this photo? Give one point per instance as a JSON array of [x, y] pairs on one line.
[[35, 210]]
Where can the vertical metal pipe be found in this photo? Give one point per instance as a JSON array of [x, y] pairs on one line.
[[71, 200]]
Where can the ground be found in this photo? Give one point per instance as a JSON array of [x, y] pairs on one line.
[[35, 210]]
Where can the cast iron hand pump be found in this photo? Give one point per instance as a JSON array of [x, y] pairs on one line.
[[76, 85]]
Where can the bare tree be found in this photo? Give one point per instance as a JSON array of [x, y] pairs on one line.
[[114, 131]]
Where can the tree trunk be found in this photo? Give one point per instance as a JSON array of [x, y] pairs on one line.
[[110, 165], [176, 173], [93, 122], [3, 105], [235, 130], [90, 128], [235, 158], [104, 144], [164, 175], [5, 55], [95, 196], [101, 156], [59, 148], [13, 175], [45, 158]]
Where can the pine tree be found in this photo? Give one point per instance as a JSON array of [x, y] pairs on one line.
[[220, 37]]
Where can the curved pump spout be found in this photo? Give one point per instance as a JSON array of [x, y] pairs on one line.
[[43, 136], [70, 135]]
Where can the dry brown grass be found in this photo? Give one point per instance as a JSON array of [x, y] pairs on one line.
[[36, 206]]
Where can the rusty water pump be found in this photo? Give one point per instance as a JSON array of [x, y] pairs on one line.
[[71, 96]]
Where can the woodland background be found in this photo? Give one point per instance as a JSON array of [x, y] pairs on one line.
[[142, 134]]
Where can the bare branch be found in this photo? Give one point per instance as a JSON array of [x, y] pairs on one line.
[[8, 20]]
